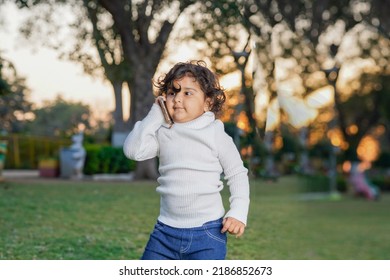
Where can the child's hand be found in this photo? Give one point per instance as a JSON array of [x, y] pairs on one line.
[[233, 226]]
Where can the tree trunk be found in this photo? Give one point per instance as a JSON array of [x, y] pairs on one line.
[[332, 172], [118, 110], [120, 130], [270, 171], [142, 98], [141, 54], [304, 165], [249, 101], [146, 169]]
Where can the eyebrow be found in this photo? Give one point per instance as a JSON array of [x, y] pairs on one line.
[[189, 88]]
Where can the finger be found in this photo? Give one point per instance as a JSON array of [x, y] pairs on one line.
[[240, 232], [226, 225], [234, 228], [230, 229]]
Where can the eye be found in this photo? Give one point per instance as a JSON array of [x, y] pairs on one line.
[[171, 93], [188, 93]]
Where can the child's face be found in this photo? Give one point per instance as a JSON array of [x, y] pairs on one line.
[[187, 104]]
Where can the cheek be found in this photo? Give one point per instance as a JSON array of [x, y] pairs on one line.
[[169, 102]]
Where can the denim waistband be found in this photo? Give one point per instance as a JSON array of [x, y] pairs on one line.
[[208, 224]]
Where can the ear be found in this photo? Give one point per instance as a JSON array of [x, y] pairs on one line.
[[208, 104]]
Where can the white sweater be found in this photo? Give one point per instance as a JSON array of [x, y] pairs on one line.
[[192, 157]]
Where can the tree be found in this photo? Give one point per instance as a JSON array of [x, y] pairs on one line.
[[378, 15], [323, 17], [95, 45], [364, 110], [4, 86], [13, 104], [313, 22], [221, 26], [143, 28], [262, 19], [60, 118], [108, 46], [300, 32]]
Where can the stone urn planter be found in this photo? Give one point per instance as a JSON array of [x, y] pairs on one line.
[[49, 167]]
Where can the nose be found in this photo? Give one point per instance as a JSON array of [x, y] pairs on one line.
[[177, 98]]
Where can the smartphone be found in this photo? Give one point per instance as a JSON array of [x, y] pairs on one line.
[[164, 110]]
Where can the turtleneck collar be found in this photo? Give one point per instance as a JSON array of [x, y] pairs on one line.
[[198, 123]]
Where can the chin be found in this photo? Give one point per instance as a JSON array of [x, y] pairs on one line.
[[179, 120]]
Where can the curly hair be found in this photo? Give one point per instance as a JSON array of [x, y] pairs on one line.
[[206, 79]]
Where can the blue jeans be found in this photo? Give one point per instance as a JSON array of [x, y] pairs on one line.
[[200, 243]]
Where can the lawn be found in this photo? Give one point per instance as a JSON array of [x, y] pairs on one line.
[[100, 220]]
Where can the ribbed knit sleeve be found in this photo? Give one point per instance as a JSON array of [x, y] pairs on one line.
[[141, 143], [236, 174]]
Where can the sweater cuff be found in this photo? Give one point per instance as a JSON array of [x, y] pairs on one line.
[[238, 215]]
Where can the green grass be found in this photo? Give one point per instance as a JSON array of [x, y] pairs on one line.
[[95, 220]]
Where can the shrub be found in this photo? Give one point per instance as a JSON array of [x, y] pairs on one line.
[[383, 160], [341, 184], [382, 181], [106, 159]]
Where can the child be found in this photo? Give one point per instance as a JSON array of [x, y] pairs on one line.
[[192, 153]]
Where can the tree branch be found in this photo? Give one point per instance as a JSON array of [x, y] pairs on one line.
[[117, 10]]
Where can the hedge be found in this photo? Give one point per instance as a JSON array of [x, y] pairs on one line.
[[106, 159]]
